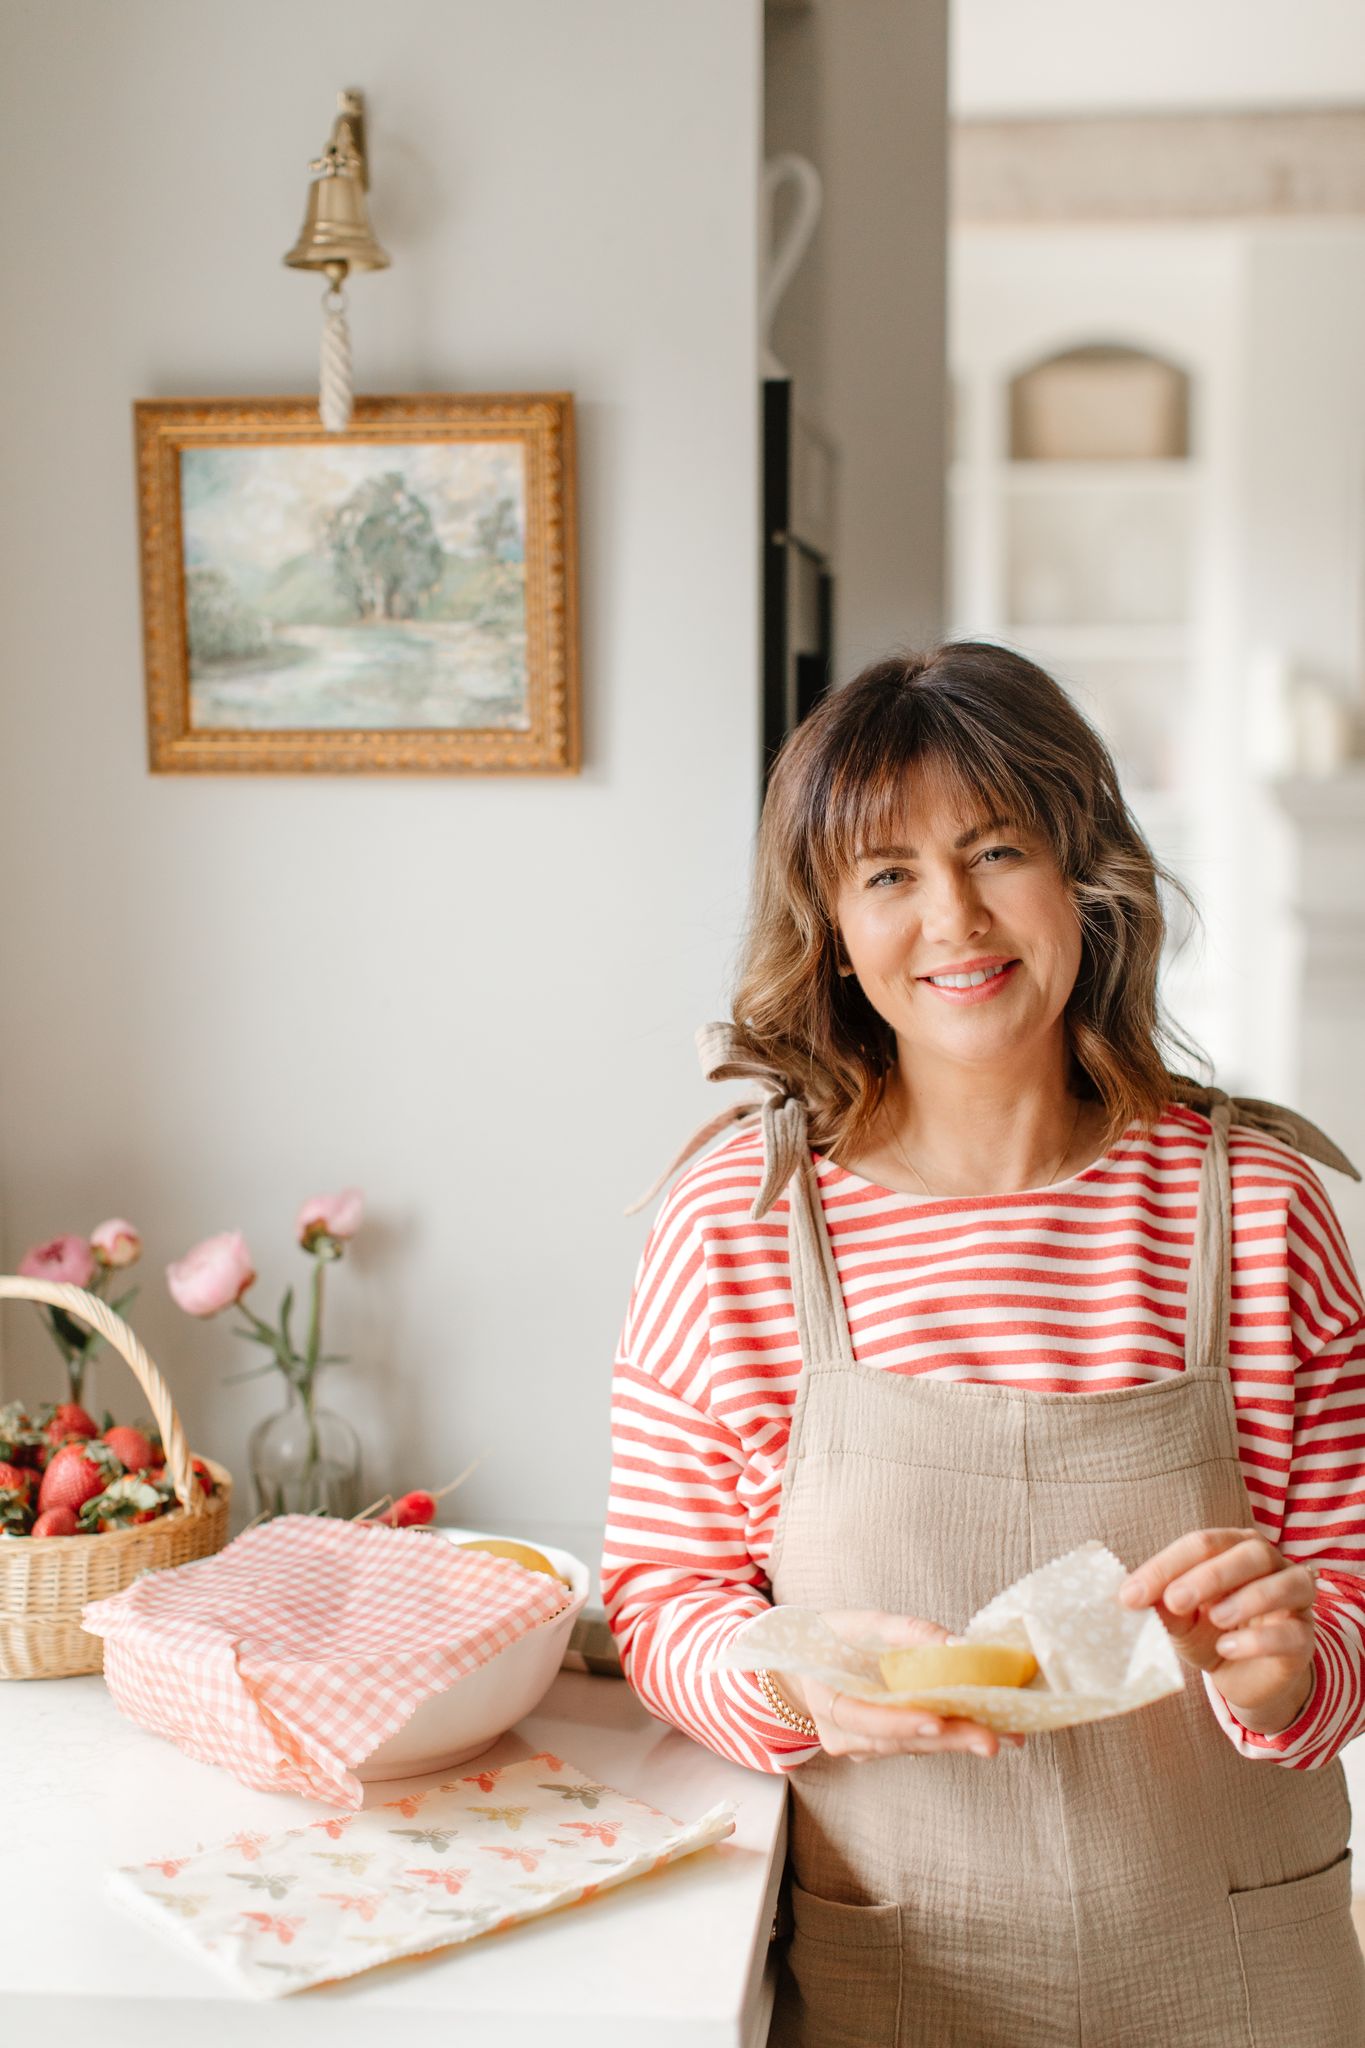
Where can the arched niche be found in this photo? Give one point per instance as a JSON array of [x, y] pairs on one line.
[[1101, 403]]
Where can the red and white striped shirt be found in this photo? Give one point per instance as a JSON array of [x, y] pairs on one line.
[[1074, 1289]]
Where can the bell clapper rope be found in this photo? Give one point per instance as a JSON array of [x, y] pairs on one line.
[[336, 391]]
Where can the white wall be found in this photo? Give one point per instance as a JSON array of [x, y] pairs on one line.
[[1073, 56], [474, 997]]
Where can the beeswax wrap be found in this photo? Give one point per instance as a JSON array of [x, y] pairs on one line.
[[276, 1913], [1095, 1658], [291, 1654]]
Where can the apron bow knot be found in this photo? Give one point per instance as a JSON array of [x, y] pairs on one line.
[[781, 1109], [1270, 1118]]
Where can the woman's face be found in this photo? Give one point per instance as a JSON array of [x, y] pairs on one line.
[[961, 894]]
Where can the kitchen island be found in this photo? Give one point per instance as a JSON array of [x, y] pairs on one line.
[[678, 1958]]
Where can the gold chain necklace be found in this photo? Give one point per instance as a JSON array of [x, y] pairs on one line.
[[1070, 1139]]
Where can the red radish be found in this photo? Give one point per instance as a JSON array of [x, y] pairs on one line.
[[410, 1510], [129, 1446], [70, 1479], [70, 1420], [55, 1522]]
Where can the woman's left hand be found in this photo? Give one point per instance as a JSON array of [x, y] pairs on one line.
[[1238, 1609]]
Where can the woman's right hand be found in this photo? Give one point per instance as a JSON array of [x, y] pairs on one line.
[[858, 1728]]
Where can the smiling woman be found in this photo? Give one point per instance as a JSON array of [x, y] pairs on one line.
[[945, 816], [968, 946], [990, 1281]]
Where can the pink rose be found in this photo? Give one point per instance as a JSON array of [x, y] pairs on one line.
[[211, 1276], [115, 1243], [335, 1216], [62, 1258]]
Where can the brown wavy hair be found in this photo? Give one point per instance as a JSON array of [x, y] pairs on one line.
[[994, 728]]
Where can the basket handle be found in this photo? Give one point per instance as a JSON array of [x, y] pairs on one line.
[[88, 1308]]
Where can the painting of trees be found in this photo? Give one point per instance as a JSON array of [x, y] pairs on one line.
[[219, 625], [385, 553], [344, 585]]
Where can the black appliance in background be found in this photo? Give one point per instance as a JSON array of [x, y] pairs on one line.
[[798, 577]]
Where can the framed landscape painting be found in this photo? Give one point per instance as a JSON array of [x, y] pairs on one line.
[[397, 598]]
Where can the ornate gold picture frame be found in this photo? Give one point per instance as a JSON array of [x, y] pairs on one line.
[[400, 598]]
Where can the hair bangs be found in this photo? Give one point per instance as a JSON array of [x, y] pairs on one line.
[[930, 757]]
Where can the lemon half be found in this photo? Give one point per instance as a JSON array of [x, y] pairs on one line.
[[518, 1553]]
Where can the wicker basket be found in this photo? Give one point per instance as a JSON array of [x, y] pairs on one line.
[[45, 1581]]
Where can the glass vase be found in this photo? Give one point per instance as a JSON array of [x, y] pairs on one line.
[[305, 1460]]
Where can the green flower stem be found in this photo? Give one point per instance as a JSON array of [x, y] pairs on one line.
[[299, 1368], [310, 1410], [315, 1320], [76, 1342], [286, 1359]]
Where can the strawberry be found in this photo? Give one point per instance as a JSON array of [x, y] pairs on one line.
[[70, 1419], [410, 1510], [129, 1446], [55, 1522], [123, 1501], [15, 1512], [71, 1479], [21, 1442], [16, 1476], [204, 1476]]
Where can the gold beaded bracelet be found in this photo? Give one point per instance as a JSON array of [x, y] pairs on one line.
[[802, 1724]]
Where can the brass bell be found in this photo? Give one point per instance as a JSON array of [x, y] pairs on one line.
[[336, 235]]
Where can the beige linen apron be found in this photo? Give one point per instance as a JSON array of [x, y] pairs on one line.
[[1133, 1881]]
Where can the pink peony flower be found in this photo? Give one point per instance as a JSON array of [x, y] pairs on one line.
[[335, 1216], [62, 1258], [115, 1243], [212, 1275]]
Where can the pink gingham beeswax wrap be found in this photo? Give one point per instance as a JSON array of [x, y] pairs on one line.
[[291, 1654]]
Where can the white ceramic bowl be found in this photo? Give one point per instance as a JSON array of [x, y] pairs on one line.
[[451, 1726]]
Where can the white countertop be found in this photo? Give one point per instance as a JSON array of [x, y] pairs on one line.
[[677, 1958]]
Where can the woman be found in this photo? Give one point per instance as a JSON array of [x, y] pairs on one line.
[[986, 1281]]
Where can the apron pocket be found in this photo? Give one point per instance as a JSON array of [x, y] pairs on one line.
[[844, 1969], [1302, 1967]]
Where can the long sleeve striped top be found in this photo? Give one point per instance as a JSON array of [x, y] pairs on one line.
[[1073, 1289]]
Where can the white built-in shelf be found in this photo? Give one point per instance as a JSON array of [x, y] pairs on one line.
[[1106, 641], [1091, 568], [1075, 477]]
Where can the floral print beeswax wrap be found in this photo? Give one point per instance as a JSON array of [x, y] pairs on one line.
[[277, 1913]]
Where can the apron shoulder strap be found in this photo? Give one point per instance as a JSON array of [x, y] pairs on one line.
[[1272, 1118], [1208, 1318], [725, 1057]]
